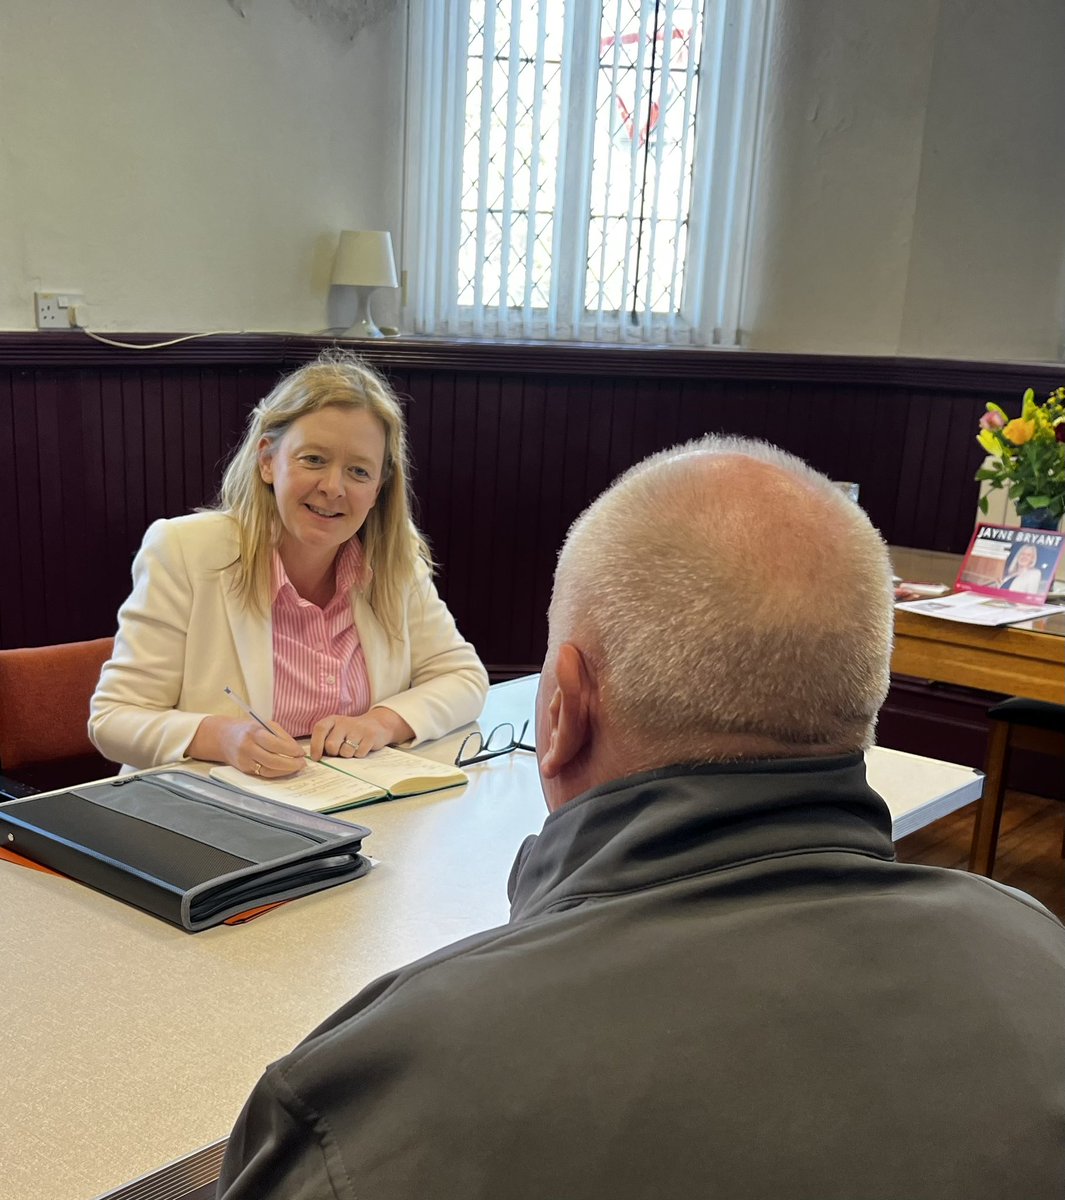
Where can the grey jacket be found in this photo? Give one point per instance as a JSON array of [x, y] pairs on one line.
[[716, 982]]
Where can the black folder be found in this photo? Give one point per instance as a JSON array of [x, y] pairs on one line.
[[182, 847]]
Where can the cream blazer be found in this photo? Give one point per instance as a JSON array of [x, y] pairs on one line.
[[183, 636]]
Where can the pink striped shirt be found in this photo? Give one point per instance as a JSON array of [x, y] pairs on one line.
[[319, 667]]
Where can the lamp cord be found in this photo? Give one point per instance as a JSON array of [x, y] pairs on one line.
[[188, 337]]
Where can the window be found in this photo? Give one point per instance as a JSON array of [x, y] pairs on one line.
[[581, 169]]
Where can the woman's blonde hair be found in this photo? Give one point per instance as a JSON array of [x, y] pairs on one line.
[[391, 543]]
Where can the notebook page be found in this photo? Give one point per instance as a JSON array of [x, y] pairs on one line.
[[316, 788], [396, 770]]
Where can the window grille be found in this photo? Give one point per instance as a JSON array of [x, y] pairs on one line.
[[581, 169]]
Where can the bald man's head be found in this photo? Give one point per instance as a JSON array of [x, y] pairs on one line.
[[732, 603]]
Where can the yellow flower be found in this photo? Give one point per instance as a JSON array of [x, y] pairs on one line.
[[987, 439], [1019, 431], [1029, 407]]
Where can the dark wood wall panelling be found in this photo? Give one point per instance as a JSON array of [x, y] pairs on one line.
[[510, 442], [510, 450], [88, 459], [506, 462]]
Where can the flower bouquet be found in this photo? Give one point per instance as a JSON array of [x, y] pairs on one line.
[[1029, 457]]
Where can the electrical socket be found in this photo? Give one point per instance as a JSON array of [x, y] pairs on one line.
[[57, 310]]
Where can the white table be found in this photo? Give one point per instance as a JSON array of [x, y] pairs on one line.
[[129, 1044], [919, 790]]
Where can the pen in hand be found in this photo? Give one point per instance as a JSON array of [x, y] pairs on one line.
[[244, 706]]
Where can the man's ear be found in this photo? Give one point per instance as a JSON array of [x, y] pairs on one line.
[[569, 711]]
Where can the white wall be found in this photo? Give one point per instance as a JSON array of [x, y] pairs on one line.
[[912, 194], [187, 167], [987, 267]]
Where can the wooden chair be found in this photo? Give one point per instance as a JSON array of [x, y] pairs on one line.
[[1016, 724], [44, 715]]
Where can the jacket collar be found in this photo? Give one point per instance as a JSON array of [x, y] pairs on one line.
[[688, 820]]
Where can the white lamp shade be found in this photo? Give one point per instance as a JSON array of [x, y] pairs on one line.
[[364, 259]]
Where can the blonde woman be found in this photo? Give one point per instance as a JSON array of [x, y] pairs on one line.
[[1023, 573], [307, 592]]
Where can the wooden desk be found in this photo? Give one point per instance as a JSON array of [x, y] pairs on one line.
[[1019, 660], [129, 1044]]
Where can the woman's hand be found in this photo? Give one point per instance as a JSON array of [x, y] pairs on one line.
[[355, 737], [246, 745]]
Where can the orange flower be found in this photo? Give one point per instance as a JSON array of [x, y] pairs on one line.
[[1019, 431]]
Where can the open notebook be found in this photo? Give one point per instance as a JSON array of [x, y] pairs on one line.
[[337, 783]]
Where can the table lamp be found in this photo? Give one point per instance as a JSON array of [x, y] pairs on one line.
[[364, 262]]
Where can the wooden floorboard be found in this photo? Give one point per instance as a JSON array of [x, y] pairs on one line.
[[1029, 846]]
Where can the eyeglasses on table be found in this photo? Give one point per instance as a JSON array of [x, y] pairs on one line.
[[477, 748]]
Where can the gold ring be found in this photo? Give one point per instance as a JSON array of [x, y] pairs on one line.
[[258, 768], [354, 745]]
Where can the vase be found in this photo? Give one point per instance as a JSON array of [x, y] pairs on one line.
[[1039, 518]]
